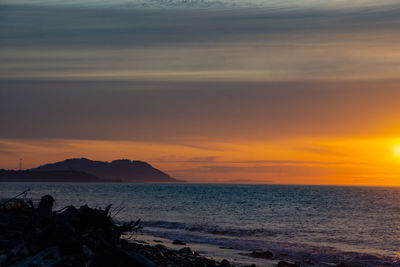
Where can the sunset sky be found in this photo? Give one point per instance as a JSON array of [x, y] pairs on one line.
[[284, 92]]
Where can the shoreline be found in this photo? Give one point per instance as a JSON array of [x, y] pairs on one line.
[[238, 251], [234, 256], [39, 236], [271, 256]]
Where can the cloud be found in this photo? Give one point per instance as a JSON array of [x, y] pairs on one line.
[[263, 44], [277, 169], [87, 27], [171, 112], [215, 160], [202, 159], [247, 181], [286, 162], [278, 173], [6, 149], [320, 150]]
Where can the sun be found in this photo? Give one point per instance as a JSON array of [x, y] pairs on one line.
[[396, 150]]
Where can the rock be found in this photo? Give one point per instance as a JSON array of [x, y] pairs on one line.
[[47, 257], [178, 242], [16, 254], [342, 264], [160, 254], [286, 264], [35, 244], [20, 251], [310, 262], [187, 250], [263, 254], [157, 241], [3, 258], [141, 260], [113, 256], [201, 262], [87, 251], [225, 263]]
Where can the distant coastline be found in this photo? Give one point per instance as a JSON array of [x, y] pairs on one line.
[[46, 176], [89, 171]]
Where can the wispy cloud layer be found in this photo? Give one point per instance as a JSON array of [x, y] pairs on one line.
[[305, 42], [160, 111]]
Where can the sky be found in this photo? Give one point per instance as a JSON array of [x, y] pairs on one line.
[[282, 92]]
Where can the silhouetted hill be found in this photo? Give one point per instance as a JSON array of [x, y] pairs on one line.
[[117, 170], [46, 176]]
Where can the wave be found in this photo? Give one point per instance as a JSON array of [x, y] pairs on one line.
[[210, 229]]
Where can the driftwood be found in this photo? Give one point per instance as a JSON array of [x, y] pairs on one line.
[[82, 237], [85, 236], [45, 208], [128, 228], [23, 193]]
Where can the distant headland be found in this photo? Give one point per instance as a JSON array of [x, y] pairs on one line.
[[86, 170]]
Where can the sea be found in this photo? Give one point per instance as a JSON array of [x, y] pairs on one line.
[[325, 225]]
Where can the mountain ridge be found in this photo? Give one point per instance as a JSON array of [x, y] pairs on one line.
[[124, 170], [86, 170]]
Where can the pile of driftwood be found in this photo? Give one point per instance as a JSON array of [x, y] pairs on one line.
[[39, 236], [67, 237]]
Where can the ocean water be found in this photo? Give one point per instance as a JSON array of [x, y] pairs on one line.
[[207, 3], [327, 224]]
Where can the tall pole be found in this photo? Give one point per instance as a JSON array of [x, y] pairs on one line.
[[20, 164]]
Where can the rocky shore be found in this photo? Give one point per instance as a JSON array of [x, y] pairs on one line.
[[39, 236]]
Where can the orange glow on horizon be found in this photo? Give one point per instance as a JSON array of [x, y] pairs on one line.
[[357, 161]]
